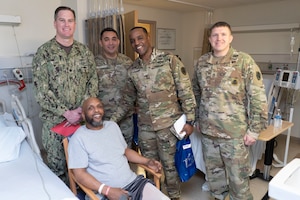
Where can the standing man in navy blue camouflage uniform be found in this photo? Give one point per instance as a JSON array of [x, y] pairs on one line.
[[156, 81], [64, 75], [231, 112]]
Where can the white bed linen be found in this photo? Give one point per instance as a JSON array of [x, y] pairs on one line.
[[28, 178], [197, 150]]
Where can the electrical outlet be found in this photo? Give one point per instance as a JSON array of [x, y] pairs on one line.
[[18, 74]]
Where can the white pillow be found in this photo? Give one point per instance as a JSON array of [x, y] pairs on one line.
[[10, 142]]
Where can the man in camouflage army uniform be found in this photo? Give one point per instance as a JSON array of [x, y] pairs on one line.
[[232, 111], [162, 89], [112, 73], [64, 75]]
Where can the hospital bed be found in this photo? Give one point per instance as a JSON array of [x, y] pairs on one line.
[[23, 174]]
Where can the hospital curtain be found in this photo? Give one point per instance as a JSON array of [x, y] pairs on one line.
[[206, 45], [208, 22], [94, 26], [103, 14]]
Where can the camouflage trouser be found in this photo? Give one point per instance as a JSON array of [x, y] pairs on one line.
[[52, 143], [161, 145], [126, 126], [227, 164]]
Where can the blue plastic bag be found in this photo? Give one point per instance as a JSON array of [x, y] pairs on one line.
[[184, 159]]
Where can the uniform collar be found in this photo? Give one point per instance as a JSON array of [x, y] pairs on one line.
[[225, 59], [154, 54]]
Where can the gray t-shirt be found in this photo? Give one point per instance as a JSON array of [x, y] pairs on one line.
[[101, 152]]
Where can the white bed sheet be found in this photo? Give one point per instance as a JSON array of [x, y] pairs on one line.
[[28, 178]]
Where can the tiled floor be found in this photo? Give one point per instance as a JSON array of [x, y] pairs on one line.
[[192, 190]]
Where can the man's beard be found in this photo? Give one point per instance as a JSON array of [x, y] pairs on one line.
[[93, 123]]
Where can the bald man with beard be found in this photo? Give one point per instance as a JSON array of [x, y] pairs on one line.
[[98, 156]]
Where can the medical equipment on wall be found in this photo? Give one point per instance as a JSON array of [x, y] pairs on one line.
[[18, 74], [287, 79]]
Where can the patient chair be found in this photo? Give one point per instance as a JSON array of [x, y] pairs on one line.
[[89, 192]]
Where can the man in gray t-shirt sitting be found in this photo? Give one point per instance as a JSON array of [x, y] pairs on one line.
[[98, 156]]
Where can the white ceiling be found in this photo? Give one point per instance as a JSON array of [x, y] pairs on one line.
[[194, 5]]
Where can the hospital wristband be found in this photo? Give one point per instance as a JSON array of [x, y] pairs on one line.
[[101, 188], [107, 190]]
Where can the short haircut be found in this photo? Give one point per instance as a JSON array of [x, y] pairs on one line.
[[220, 24], [63, 8], [136, 27], [108, 29]]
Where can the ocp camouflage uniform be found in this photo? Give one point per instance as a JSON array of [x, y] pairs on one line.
[[157, 86], [112, 74], [61, 82], [231, 102]]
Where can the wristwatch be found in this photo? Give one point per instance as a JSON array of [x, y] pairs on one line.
[[192, 122]]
